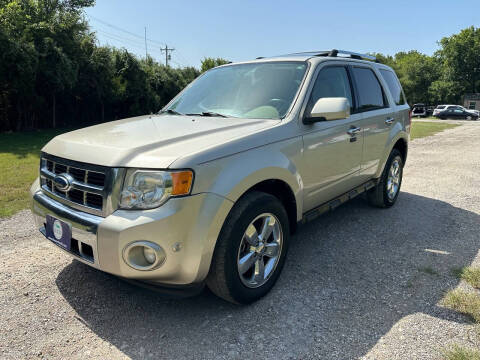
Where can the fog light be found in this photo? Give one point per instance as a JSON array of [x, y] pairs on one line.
[[144, 255], [149, 255]]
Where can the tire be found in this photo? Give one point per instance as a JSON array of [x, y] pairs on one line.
[[469, 117], [380, 196], [224, 278]]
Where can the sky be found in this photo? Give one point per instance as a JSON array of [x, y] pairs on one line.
[[243, 30]]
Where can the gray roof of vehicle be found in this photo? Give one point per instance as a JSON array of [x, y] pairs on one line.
[[319, 56]]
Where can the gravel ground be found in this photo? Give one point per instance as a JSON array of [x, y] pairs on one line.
[[358, 283]]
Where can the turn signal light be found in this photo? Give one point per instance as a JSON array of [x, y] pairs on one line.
[[182, 182]]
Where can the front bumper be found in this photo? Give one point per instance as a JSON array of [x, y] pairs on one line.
[[186, 228]]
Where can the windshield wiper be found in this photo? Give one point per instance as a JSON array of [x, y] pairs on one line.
[[170, 111], [208, 113]]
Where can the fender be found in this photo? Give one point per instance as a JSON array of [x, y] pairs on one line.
[[232, 176], [396, 134]]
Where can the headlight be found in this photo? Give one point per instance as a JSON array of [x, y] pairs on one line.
[[148, 189]]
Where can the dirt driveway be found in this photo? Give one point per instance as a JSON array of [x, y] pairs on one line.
[[358, 282]]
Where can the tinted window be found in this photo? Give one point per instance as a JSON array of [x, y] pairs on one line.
[[331, 82], [393, 86], [441, 107], [370, 93]]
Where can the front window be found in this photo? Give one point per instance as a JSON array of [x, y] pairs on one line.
[[252, 91], [331, 82]]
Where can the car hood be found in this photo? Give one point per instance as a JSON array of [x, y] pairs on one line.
[[153, 141]]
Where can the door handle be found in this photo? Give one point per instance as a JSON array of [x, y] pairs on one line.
[[389, 121], [353, 130]]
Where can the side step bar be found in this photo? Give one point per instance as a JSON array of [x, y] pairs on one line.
[[332, 204]]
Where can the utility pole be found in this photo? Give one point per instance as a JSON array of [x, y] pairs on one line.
[[146, 49], [167, 55]]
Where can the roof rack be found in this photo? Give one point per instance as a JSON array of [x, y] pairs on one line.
[[335, 53]]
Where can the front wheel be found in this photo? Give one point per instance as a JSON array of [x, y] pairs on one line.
[[251, 249], [386, 192]]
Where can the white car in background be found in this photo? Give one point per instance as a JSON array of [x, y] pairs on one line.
[[441, 108]]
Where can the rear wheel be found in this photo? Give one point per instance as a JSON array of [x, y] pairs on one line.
[[386, 192], [251, 249]]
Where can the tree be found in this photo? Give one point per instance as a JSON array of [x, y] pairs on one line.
[[416, 72], [54, 74], [460, 58], [443, 91], [209, 63]]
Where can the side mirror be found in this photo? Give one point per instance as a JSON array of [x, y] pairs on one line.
[[333, 108]]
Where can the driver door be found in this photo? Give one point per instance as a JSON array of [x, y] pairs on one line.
[[332, 152]]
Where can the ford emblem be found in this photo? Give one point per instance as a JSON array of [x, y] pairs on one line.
[[63, 182]]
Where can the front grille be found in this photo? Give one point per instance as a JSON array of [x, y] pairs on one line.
[[88, 188]]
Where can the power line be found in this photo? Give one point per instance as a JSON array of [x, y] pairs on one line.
[[122, 40], [125, 31], [184, 58], [136, 43], [132, 43]]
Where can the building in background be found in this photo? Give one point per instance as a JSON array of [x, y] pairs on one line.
[[471, 101]]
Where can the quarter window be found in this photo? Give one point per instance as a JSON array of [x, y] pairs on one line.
[[370, 92], [394, 86], [331, 82]]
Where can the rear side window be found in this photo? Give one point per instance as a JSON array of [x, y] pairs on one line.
[[370, 92], [393, 86], [331, 82], [441, 107]]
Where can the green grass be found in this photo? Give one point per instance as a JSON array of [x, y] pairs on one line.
[[19, 162], [470, 274], [467, 303], [422, 129], [457, 352]]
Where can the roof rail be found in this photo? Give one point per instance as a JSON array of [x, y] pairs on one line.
[[353, 55], [335, 53]]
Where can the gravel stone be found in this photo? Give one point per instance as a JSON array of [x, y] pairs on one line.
[[352, 286]]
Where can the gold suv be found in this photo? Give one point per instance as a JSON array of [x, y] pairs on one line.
[[210, 189]]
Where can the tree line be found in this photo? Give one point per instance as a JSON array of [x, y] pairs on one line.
[[444, 77], [54, 74]]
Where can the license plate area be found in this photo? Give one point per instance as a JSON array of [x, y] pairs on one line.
[[58, 231]]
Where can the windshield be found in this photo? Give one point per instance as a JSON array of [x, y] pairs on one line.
[[252, 91]]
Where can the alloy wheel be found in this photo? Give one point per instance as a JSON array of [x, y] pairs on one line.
[[393, 180], [260, 250]]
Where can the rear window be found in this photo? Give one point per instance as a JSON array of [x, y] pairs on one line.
[[394, 86], [370, 91]]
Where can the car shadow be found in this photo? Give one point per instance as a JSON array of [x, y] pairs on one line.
[[349, 277]]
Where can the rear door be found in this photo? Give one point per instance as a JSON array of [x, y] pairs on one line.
[[378, 117]]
